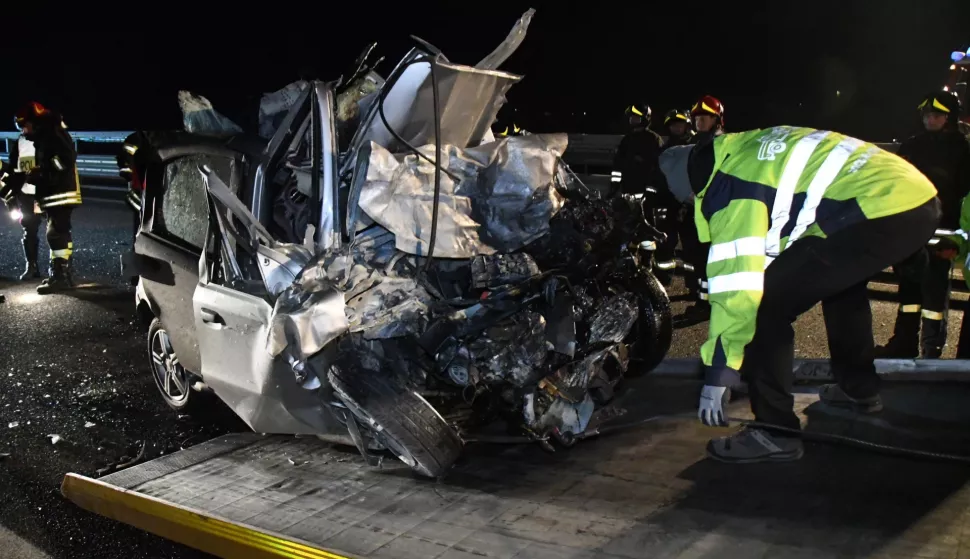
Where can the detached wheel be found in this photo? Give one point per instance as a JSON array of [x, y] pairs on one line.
[[652, 332], [172, 380], [399, 419]]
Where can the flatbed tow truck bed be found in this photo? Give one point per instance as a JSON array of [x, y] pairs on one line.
[[647, 491]]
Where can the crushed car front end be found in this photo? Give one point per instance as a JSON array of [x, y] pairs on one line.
[[403, 279]]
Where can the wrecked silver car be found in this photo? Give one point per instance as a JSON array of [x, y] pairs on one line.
[[378, 270]]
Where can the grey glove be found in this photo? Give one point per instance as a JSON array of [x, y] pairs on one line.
[[713, 401]]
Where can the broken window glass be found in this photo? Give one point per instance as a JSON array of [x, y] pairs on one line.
[[185, 212]]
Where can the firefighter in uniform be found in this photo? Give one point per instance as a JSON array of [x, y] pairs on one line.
[[795, 217], [23, 200], [708, 117], [635, 162], [132, 172], [57, 185], [941, 153], [679, 131]]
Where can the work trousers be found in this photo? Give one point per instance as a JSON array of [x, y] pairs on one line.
[[695, 253], [833, 271], [30, 222], [924, 296], [59, 232]]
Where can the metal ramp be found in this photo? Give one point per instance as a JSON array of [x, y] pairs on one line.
[[645, 492]]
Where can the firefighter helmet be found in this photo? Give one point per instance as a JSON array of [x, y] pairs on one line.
[[709, 105], [674, 115], [944, 102], [513, 130], [641, 110], [29, 112]]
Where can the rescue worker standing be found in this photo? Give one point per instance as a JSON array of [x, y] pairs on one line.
[[795, 217], [941, 153], [22, 199], [708, 117], [679, 131], [58, 187], [673, 212], [635, 162], [132, 173]]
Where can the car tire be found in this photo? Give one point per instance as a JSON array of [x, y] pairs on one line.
[[652, 333], [163, 362], [400, 419]]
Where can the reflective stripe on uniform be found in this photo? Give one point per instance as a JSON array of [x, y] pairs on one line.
[[64, 253], [785, 192], [57, 163], [822, 180], [76, 200], [738, 281], [616, 176], [932, 315], [130, 149], [747, 246], [909, 309], [134, 200], [59, 196], [70, 197]]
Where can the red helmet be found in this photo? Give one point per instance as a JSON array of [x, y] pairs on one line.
[[708, 105], [29, 112]]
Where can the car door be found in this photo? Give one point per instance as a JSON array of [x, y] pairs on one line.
[[169, 245], [233, 312], [233, 316]]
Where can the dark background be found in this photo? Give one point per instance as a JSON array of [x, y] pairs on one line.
[[119, 66]]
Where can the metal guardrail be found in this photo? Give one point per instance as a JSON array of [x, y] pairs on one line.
[[585, 151], [93, 166], [100, 167], [94, 137]]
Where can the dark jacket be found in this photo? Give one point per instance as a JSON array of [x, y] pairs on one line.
[[55, 167], [635, 163], [684, 140], [944, 157], [131, 166]]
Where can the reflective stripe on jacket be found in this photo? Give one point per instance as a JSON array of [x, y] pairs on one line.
[[770, 188]]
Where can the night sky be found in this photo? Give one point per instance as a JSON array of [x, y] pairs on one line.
[[856, 66]]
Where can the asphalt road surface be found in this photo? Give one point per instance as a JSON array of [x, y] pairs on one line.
[[73, 369]]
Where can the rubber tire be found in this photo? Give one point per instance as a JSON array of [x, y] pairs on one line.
[[404, 417], [197, 403], [654, 329]]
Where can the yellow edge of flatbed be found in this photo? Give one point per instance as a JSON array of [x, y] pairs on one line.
[[196, 529]]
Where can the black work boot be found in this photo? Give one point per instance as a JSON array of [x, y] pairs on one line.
[[61, 278], [904, 344], [932, 338]]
